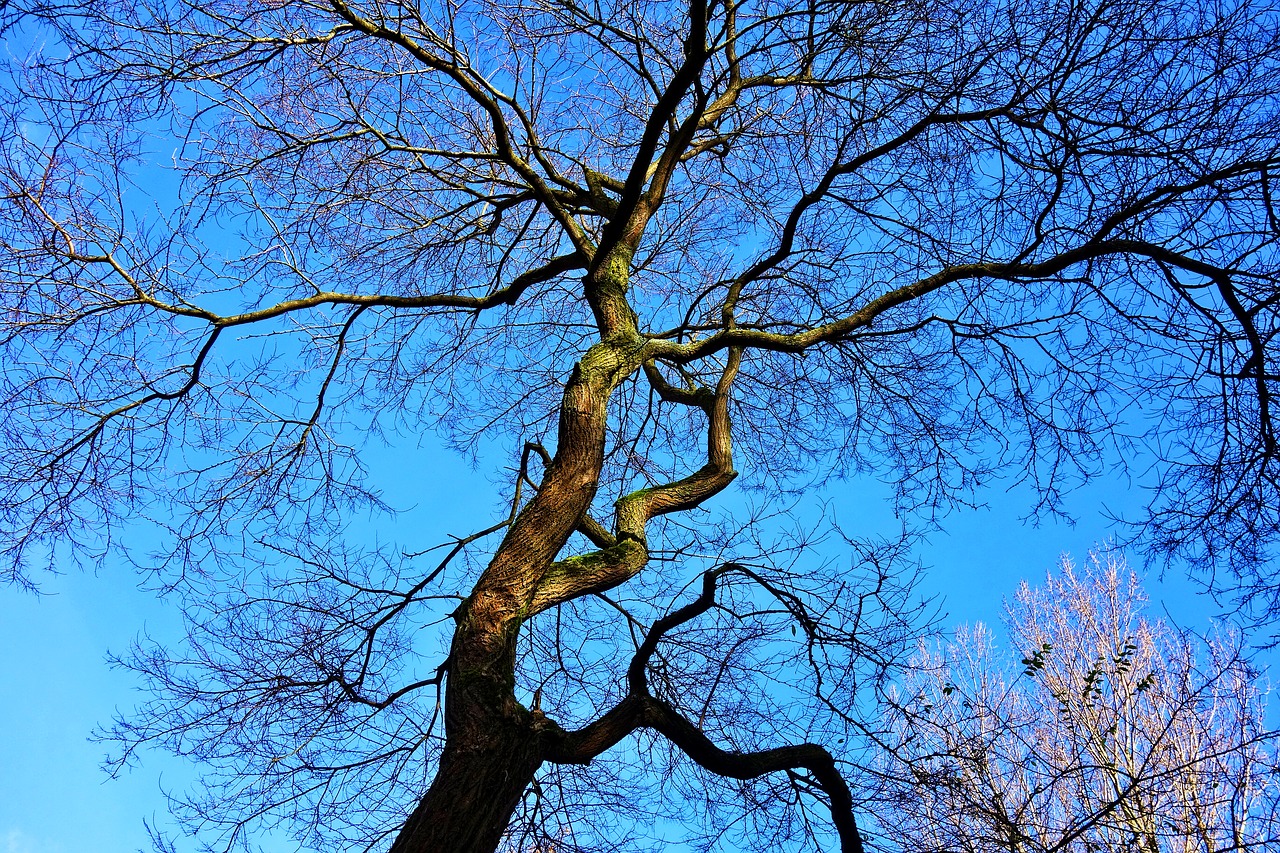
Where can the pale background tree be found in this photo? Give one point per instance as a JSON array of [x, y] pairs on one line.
[[629, 256], [1089, 726]]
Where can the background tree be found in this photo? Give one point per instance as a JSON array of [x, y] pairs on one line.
[[632, 249], [1119, 733]]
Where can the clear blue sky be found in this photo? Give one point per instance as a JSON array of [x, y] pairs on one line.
[[57, 687]]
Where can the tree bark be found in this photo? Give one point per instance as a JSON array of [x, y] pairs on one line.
[[494, 745], [476, 790]]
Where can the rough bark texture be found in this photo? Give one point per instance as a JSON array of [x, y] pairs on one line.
[[476, 790], [495, 745]]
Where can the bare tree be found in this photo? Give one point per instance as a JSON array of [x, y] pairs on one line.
[[639, 246], [1119, 734]]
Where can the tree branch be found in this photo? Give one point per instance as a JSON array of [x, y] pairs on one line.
[[641, 709]]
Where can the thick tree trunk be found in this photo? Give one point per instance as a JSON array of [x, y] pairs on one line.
[[493, 744], [476, 790]]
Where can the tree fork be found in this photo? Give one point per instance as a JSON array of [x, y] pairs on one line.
[[494, 745]]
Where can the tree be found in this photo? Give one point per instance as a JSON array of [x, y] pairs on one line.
[[1119, 733], [636, 247]]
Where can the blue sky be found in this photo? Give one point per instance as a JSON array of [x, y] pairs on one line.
[[55, 799]]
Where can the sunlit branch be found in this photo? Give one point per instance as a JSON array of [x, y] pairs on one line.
[[848, 325], [477, 89], [628, 553]]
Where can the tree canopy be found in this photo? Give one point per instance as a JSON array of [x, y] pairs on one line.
[[1116, 733], [630, 250]]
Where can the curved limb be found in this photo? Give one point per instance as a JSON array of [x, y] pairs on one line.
[[640, 709], [625, 553]]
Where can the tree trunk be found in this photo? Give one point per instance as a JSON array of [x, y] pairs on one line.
[[475, 792], [494, 745]]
